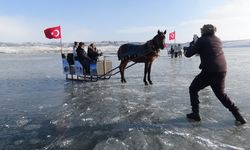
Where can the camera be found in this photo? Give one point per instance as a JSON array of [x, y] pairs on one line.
[[195, 38]]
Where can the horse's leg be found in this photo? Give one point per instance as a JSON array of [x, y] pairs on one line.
[[121, 71], [122, 66], [145, 73], [149, 72]]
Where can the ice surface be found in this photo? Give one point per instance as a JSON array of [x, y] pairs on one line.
[[41, 110]]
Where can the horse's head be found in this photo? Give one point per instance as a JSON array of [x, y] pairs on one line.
[[159, 40]]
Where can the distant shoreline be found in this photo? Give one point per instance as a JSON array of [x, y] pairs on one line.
[[107, 52], [108, 46]]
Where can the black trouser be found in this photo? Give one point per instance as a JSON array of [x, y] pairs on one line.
[[217, 82], [175, 54], [85, 64]]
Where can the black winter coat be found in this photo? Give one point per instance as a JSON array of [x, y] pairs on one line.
[[212, 57]]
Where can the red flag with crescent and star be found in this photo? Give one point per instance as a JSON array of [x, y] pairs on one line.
[[53, 32], [172, 35]]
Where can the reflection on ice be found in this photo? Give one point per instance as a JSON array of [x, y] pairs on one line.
[[201, 141], [22, 121]]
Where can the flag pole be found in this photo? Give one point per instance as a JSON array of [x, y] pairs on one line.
[[174, 36], [61, 39], [61, 44]]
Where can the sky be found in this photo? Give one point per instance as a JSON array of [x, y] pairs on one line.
[[122, 20]]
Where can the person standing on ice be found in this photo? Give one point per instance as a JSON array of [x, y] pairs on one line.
[[213, 72], [179, 50]]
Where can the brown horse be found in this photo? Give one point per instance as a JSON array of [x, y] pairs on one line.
[[145, 53]]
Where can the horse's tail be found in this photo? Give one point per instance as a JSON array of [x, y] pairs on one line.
[[120, 52]]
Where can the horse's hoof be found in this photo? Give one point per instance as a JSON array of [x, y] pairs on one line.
[[150, 82], [146, 83], [123, 81]]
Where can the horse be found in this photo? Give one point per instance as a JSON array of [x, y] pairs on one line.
[[145, 53]]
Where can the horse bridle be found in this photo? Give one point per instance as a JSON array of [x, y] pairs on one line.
[[154, 45]]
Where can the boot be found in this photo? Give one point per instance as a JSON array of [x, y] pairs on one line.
[[195, 113], [239, 117], [194, 116]]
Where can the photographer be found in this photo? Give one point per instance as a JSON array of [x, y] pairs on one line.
[[213, 71]]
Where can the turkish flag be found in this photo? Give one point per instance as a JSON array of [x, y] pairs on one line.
[[53, 33], [172, 35]]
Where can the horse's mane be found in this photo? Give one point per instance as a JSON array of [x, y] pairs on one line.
[[150, 45]]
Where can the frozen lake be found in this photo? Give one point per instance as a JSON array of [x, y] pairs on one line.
[[41, 110]]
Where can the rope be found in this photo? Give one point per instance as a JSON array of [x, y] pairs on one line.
[[117, 71]]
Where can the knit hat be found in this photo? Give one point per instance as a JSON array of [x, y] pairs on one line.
[[208, 29]]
